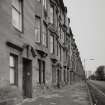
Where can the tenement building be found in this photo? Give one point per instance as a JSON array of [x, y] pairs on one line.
[[35, 46], [76, 71]]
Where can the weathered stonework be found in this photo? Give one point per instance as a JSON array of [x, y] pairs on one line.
[[22, 44]]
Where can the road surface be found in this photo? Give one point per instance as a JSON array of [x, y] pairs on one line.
[[97, 89]]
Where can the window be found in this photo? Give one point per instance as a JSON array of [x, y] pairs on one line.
[[39, 0], [59, 52], [57, 48], [17, 14], [66, 55], [62, 35], [13, 70], [57, 19], [64, 75], [51, 14], [51, 44], [45, 4], [44, 35], [59, 29], [37, 29], [41, 71], [54, 77]]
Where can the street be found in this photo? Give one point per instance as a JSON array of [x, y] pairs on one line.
[[97, 89], [76, 94], [52, 52]]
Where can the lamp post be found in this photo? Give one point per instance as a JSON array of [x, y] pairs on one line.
[[85, 65]]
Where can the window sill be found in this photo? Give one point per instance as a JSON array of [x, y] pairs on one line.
[[39, 43], [45, 46], [13, 85], [20, 31]]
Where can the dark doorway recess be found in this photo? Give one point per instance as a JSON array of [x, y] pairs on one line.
[[27, 78]]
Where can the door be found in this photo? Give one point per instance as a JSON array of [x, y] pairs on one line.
[[41, 71], [53, 74], [58, 79], [27, 78]]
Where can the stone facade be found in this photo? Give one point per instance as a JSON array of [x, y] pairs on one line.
[[31, 63], [77, 70]]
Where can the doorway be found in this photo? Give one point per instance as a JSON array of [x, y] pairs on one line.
[[41, 71], [54, 74], [27, 78], [58, 78]]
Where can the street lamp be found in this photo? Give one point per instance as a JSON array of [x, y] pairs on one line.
[[85, 65]]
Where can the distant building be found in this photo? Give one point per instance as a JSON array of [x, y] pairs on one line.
[[89, 73]]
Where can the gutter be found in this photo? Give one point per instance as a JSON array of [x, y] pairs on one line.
[[89, 94]]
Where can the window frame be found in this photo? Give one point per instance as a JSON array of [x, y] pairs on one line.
[[57, 48], [37, 28], [51, 21], [44, 35], [51, 43], [15, 68], [19, 11], [44, 4], [62, 35], [59, 51], [39, 1]]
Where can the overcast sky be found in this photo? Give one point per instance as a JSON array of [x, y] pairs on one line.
[[88, 26]]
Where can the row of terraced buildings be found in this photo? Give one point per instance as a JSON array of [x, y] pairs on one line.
[[37, 48]]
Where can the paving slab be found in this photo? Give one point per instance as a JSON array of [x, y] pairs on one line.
[[76, 94]]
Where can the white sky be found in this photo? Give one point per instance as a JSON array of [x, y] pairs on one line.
[[88, 26]]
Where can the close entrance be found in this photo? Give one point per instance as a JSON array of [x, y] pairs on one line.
[[27, 78]]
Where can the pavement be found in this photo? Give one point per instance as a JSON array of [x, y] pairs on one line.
[[76, 94]]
